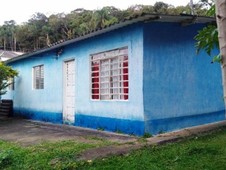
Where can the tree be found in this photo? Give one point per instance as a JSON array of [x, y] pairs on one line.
[[6, 72], [8, 35], [221, 25], [214, 36], [36, 24], [42, 31], [161, 7], [104, 17], [207, 38]]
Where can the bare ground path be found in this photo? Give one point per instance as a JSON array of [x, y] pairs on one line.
[[27, 132]]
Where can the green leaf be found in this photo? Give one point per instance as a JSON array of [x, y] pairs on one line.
[[211, 11], [217, 58], [207, 39], [6, 72]]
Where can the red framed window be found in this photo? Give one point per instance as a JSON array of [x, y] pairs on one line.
[[110, 75]]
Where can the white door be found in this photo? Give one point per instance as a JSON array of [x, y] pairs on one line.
[[69, 92]]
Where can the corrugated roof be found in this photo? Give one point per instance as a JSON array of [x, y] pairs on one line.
[[6, 55], [183, 19]]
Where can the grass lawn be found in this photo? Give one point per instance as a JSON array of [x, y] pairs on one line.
[[206, 152], [44, 156], [57, 155]]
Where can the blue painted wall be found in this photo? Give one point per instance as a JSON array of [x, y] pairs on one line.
[[170, 87], [47, 104], [181, 88]]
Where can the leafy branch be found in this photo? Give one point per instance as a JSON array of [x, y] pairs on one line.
[[6, 72]]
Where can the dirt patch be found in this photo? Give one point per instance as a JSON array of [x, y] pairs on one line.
[[102, 152]]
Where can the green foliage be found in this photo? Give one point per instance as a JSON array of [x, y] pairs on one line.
[[100, 128], [5, 157], [217, 58], [211, 11], [6, 72], [147, 135], [41, 31], [207, 39], [58, 155], [118, 131]]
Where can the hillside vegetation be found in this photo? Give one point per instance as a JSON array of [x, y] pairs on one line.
[[41, 31]]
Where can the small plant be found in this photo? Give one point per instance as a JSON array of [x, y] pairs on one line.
[[142, 140], [147, 135], [118, 131], [161, 132], [132, 134], [6, 72], [100, 128]]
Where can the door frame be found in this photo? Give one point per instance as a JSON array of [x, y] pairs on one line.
[[64, 86]]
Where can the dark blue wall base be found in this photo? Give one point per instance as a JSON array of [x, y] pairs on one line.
[[133, 127], [39, 115], [169, 124]]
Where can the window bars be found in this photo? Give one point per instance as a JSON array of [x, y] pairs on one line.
[[110, 75]]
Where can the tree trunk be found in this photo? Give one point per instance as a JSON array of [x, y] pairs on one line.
[[14, 43], [221, 24], [192, 7], [12, 46], [47, 39], [4, 43]]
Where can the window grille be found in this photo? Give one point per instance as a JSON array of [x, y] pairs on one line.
[[38, 77], [109, 75]]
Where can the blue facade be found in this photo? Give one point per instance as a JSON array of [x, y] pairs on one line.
[[170, 87], [47, 104], [181, 88]]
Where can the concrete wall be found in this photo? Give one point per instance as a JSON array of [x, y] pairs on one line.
[[181, 88], [46, 104]]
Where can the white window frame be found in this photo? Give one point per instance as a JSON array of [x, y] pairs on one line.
[[113, 67], [38, 77]]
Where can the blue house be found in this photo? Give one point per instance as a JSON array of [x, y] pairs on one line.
[[138, 76]]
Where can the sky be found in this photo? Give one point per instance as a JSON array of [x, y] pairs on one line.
[[22, 10]]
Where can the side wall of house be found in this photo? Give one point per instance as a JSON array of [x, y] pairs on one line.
[[47, 104], [181, 88]]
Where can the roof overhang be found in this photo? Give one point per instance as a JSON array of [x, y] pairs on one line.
[[183, 19]]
